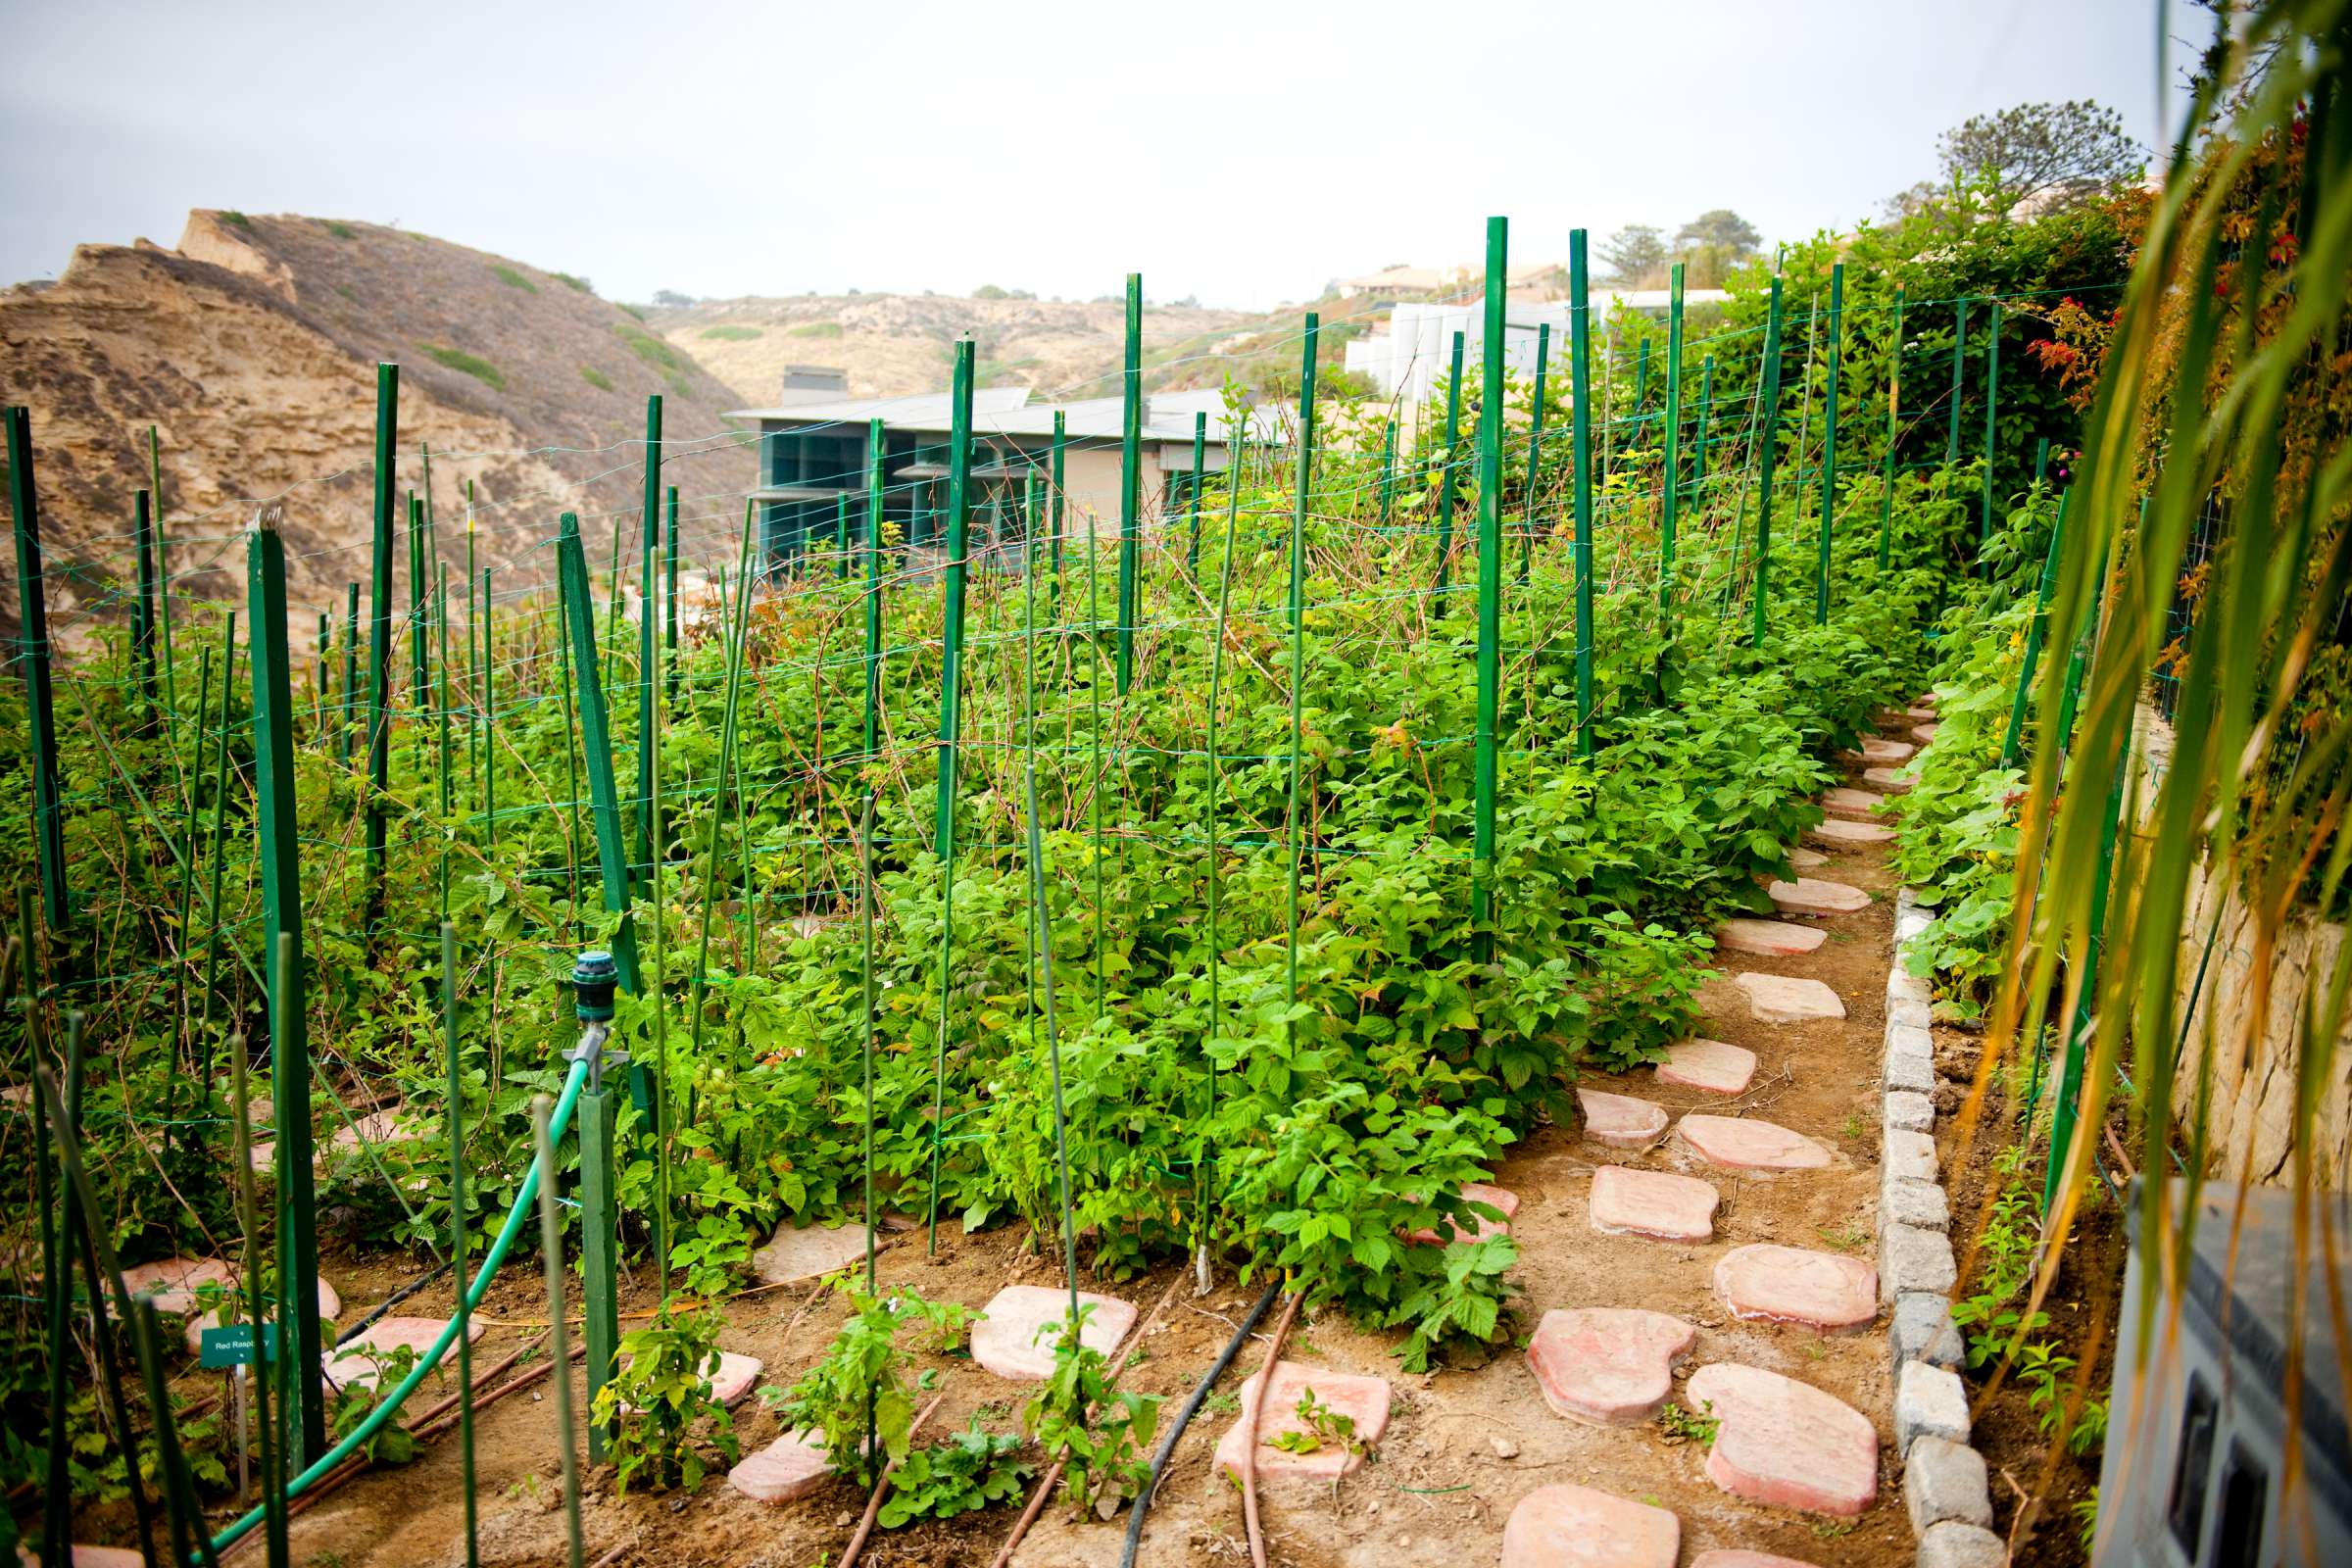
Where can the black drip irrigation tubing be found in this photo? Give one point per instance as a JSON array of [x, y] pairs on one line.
[[391, 1301], [1184, 1418]]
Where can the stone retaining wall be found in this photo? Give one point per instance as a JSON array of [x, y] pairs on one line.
[[1945, 1486]]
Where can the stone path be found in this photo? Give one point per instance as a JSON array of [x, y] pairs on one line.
[[1610, 1360], [1016, 1336]]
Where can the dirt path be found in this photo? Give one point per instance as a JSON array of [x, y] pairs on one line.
[[1462, 1447]]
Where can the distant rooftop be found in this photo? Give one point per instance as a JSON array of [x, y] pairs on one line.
[[1007, 411]]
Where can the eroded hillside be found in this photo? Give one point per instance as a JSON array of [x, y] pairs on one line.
[[898, 343], [252, 350]]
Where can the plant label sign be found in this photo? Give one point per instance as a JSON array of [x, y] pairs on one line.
[[232, 1345]]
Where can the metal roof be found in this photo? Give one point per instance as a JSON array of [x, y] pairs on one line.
[[1006, 411]]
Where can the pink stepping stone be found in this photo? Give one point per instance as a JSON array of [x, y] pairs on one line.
[[1784, 1443], [785, 1471], [1894, 780], [329, 1305], [1607, 1366], [1789, 998], [1925, 700], [1844, 802], [1769, 939], [1807, 896], [1741, 1557], [1922, 733], [729, 1381], [1878, 749], [1024, 1322], [1472, 1193], [1743, 1142], [1790, 1285], [1805, 859], [803, 1252], [353, 1364], [1627, 1201], [1620, 1120], [1839, 833], [1710, 1066], [171, 1284], [1561, 1524], [1364, 1400]]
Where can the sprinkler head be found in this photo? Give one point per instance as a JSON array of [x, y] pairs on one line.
[[591, 980]]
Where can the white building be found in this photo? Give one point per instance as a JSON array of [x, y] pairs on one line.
[[1406, 360]]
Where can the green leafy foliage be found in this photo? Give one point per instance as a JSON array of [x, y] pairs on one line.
[[864, 1377], [1101, 1436], [973, 1469], [473, 364], [662, 1419]]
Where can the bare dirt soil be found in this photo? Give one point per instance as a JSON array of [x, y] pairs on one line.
[[2024, 1464]]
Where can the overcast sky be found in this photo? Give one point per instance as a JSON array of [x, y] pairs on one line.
[[1241, 153]]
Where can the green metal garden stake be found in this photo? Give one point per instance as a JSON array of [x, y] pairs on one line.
[[1674, 434], [142, 619], [1192, 549], [1297, 631], [877, 438], [454, 1119], [98, 1263], [670, 581], [1768, 440], [650, 528], [379, 635], [1387, 471], [349, 724], [2012, 740], [729, 718], [1216, 877], [596, 746], [2066, 1110], [1828, 445], [1580, 423], [1534, 454], [162, 583], [1059, 451], [1131, 382], [488, 698], [1952, 439], [593, 978], [559, 1338], [32, 638], [951, 700], [1992, 408], [1489, 585], [1894, 404], [1699, 443], [278, 832], [1448, 479]]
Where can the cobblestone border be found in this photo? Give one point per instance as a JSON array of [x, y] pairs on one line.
[[1945, 1486]]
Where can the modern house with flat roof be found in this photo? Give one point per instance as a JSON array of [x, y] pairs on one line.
[[1408, 358], [813, 460]]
